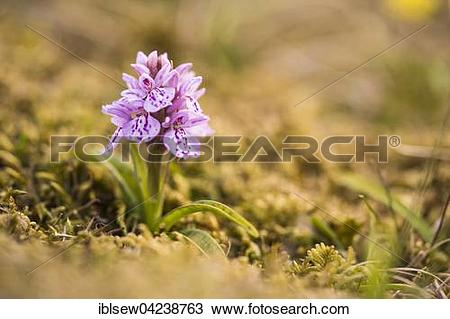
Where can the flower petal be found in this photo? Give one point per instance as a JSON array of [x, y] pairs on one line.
[[141, 129], [194, 83], [182, 68], [201, 129], [141, 58], [131, 81], [180, 144], [133, 95], [119, 111], [187, 119], [171, 79], [190, 85], [152, 62], [118, 117], [146, 82], [163, 60], [114, 141], [162, 74], [192, 105], [198, 94], [158, 99], [140, 68]]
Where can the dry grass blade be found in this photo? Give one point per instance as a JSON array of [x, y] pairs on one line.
[[441, 220]]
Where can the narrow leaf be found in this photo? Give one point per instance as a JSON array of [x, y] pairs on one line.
[[126, 182], [140, 169], [207, 206], [359, 183], [203, 241], [233, 215]]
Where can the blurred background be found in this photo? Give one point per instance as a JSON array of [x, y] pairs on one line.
[[259, 60]]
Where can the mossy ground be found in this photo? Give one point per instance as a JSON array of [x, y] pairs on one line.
[[258, 61]]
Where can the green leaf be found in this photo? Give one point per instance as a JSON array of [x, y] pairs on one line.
[[203, 241], [140, 170], [141, 184], [150, 176], [233, 215], [375, 190], [207, 206], [124, 176]]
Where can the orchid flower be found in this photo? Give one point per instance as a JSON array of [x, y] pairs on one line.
[[160, 101]]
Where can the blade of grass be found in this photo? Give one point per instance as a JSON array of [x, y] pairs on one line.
[[233, 215], [361, 184], [206, 206], [125, 180], [203, 241]]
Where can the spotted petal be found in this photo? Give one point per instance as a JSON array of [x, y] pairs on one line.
[[114, 141], [158, 99], [180, 144], [141, 129], [192, 105]]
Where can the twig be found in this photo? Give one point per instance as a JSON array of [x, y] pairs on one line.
[[441, 221], [87, 205]]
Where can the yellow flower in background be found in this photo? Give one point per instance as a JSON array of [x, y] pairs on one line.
[[412, 10]]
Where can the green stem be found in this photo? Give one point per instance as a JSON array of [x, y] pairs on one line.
[[151, 176], [157, 172]]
